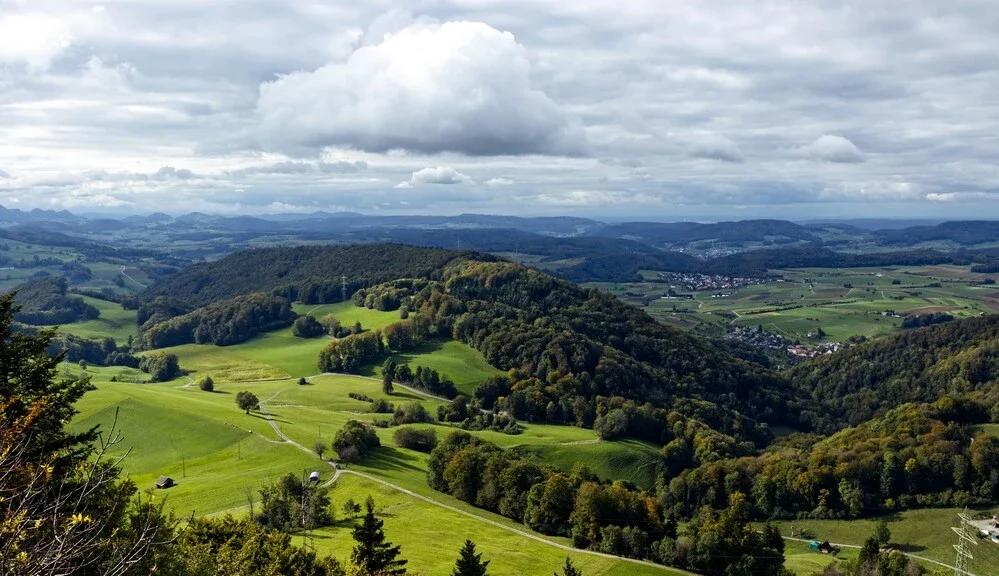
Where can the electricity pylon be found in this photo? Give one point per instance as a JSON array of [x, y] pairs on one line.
[[965, 537]]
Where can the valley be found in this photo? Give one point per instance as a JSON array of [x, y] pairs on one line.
[[519, 343]]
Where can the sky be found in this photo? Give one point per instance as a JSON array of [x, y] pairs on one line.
[[620, 110]]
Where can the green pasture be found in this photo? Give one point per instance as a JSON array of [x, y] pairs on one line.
[[114, 322], [924, 532], [220, 457], [455, 360]]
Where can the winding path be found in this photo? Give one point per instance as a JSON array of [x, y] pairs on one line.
[[337, 472]]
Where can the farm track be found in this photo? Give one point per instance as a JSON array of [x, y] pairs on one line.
[[337, 472]]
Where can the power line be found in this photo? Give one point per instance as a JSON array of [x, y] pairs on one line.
[[965, 535]]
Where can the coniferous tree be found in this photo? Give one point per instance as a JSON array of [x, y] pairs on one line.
[[372, 554], [469, 563], [568, 569]]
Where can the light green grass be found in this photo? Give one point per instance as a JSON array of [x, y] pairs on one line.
[[347, 313], [220, 457], [456, 360], [431, 536], [294, 356], [114, 322], [925, 532]]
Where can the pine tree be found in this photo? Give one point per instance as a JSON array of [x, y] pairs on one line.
[[372, 554], [568, 569], [469, 563]]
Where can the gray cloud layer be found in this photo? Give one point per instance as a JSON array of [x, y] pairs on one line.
[[672, 109]]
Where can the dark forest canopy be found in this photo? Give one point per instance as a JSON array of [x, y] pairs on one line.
[[45, 301], [918, 365], [223, 323], [306, 273]]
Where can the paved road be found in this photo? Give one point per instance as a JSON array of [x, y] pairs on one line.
[[125, 274]]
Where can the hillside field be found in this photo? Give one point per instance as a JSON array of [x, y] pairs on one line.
[[220, 457]]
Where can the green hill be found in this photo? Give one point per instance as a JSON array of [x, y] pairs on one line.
[[45, 301], [310, 274], [919, 365]]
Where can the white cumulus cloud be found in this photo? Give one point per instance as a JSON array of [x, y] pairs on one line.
[[434, 175], [458, 86], [831, 148]]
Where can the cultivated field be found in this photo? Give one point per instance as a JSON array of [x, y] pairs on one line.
[[842, 302]]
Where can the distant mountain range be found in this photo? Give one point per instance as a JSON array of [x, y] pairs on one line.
[[580, 249]]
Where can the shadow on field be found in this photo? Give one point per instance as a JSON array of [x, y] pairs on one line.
[[273, 416], [389, 458]]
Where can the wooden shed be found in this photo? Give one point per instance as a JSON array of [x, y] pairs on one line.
[[164, 482]]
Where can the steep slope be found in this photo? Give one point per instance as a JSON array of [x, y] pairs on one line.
[[919, 365]]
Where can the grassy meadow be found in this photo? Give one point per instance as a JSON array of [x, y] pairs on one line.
[[220, 457]]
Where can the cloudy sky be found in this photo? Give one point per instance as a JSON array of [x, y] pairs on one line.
[[647, 109]]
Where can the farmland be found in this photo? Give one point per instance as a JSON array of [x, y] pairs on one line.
[[842, 302]]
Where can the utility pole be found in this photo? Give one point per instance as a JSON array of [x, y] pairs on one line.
[[965, 536]]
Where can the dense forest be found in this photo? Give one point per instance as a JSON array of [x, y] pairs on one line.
[[46, 301], [915, 455], [310, 274], [959, 357], [223, 323]]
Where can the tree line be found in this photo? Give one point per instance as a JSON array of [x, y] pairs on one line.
[[223, 323], [917, 455], [615, 518], [46, 301]]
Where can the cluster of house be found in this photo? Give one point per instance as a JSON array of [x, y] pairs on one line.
[[695, 281], [803, 351]]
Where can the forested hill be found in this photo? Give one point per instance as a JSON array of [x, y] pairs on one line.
[[45, 301], [577, 355], [919, 365], [565, 343], [306, 273]]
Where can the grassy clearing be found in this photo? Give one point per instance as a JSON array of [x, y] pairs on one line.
[[347, 313], [924, 532], [456, 360], [294, 356], [114, 322]]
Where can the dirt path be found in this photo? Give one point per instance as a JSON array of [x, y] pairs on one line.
[[337, 472], [854, 546]]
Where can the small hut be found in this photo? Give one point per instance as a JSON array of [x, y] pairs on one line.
[[164, 482], [314, 476]]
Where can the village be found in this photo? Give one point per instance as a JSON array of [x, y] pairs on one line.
[[695, 281]]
